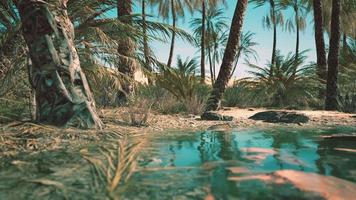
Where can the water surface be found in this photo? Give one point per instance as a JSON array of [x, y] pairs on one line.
[[246, 164]]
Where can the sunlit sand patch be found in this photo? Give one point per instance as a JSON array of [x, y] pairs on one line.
[[345, 149], [328, 187], [238, 170], [258, 150], [258, 154]]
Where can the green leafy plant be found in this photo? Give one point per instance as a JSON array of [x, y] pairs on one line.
[[287, 83]]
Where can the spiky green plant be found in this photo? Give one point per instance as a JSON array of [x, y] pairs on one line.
[[291, 83]]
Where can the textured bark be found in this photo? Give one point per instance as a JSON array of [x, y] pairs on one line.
[[63, 96], [202, 46], [146, 50], [297, 31], [174, 20], [211, 67], [229, 56], [127, 64], [331, 102], [274, 48], [319, 40]]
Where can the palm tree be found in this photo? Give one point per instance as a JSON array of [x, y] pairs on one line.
[[283, 87], [245, 49], [203, 5], [273, 18], [331, 102], [215, 26], [146, 50], [297, 23], [229, 56], [126, 50], [319, 40], [62, 91], [174, 9]]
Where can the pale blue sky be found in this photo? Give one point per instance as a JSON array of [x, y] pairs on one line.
[[253, 23]]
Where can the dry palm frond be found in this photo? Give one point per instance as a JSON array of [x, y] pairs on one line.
[[114, 165]]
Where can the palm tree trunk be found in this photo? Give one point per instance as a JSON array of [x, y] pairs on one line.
[[63, 96], [127, 64], [229, 56], [331, 102], [145, 42], [211, 67], [319, 40], [297, 32], [174, 19], [274, 48], [344, 41], [202, 46]]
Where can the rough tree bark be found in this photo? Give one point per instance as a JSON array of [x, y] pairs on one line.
[[319, 44], [229, 56], [63, 96], [174, 20], [274, 21], [331, 102], [202, 46], [127, 63]]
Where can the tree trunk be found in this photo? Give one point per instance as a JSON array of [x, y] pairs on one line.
[[229, 56], [146, 50], [174, 19], [127, 63], [319, 40], [297, 31], [274, 48], [211, 66], [202, 46], [331, 102], [344, 41], [63, 97]]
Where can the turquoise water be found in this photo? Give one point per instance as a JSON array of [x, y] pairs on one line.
[[246, 164]]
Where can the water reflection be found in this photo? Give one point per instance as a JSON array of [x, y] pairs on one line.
[[218, 161]]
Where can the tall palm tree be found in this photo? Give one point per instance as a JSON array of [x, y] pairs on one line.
[[62, 92], [273, 18], [126, 50], [229, 56], [172, 9], [203, 5], [298, 22], [146, 50], [319, 40], [331, 102], [215, 26]]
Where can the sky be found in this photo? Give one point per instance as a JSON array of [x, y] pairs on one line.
[[253, 23]]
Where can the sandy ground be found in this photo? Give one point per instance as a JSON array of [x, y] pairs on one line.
[[159, 122]]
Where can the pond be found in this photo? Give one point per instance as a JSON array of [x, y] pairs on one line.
[[278, 163], [247, 164]]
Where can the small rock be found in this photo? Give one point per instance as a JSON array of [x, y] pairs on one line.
[[353, 116], [250, 109], [213, 116], [280, 117]]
